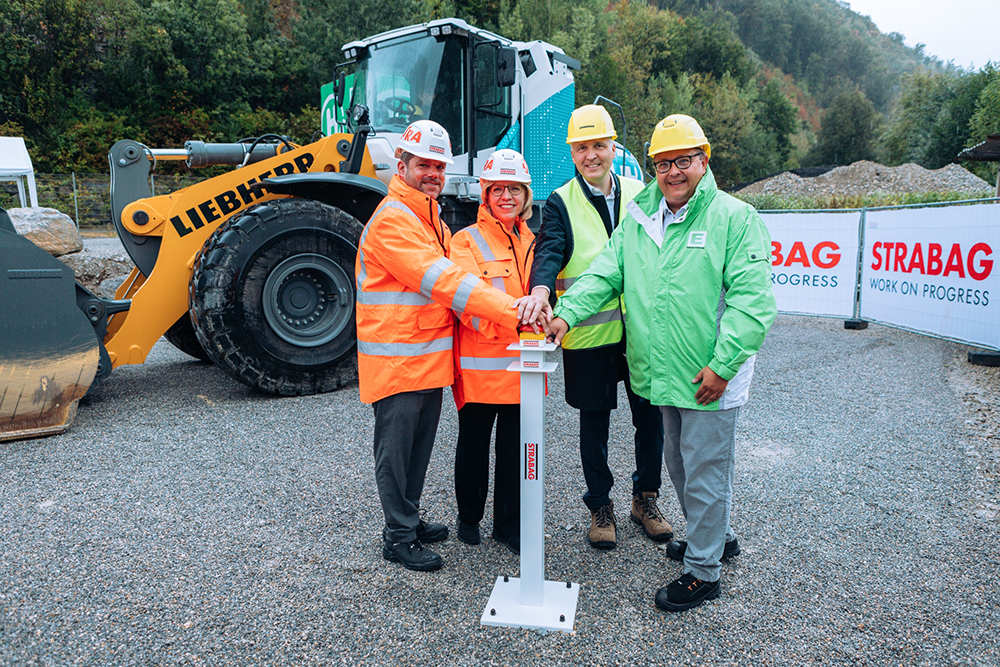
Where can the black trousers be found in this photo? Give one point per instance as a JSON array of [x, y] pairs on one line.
[[472, 465], [405, 427], [594, 435], [592, 376]]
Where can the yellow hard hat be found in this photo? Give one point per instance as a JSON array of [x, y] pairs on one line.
[[590, 122], [675, 132]]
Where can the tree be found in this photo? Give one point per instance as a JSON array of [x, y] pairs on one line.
[[986, 119], [849, 131], [480, 13], [934, 117], [925, 95], [84, 145], [641, 42], [49, 63], [578, 28], [765, 28], [713, 48], [776, 116], [954, 129], [725, 113]]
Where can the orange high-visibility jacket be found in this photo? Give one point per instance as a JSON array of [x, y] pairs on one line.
[[406, 291], [503, 260]]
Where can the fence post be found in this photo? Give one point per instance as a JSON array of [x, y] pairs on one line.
[[76, 206], [856, 322]]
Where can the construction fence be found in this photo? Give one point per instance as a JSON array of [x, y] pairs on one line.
[[927, 268], [86, 197]]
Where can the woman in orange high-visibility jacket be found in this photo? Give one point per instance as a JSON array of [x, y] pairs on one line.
[[498, 250]]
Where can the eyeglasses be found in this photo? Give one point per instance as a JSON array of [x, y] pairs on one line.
[[514, 189], [682, 162]]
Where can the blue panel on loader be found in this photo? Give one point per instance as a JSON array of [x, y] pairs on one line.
[[626, 164], [512, 139], [545, 147]]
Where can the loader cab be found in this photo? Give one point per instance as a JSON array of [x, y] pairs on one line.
[[418, 77], [489, 92], [446, 71]]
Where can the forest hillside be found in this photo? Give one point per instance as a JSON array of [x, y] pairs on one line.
[[776, 84]]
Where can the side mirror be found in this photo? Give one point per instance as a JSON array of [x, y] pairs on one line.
[[338, 88], [507, 67]]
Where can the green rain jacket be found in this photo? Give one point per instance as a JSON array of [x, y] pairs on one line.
[[702, 298]]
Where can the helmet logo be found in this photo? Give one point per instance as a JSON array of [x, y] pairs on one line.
[[436, 149], [412, 135], [505, 164]]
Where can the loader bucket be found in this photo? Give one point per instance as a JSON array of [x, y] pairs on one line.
[[49, 352]]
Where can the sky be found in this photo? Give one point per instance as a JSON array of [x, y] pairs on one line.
[[964, 31]]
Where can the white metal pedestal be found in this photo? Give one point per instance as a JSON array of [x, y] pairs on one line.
[[530, 601], [557, 611]]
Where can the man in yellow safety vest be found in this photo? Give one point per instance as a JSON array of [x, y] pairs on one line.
[[577, 221]]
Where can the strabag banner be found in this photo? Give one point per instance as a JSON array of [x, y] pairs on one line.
[[933, 270], [814, 261]]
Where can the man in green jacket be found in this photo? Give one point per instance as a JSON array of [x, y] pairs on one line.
[[693, 266]]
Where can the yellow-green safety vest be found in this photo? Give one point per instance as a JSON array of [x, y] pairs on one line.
[[589, 238]]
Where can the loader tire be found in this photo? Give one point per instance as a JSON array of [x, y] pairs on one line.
[[272, 297], [182, 336]]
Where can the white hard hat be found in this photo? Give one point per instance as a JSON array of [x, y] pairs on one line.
[[506, 165], [426, 139]]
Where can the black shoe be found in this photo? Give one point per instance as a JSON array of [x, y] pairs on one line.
[[513, 542], [469, 532], [675, 550], [413, 555], [431, 532], [685, 592]]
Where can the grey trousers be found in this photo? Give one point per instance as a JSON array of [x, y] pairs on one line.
[[699, 450], [405, 427]]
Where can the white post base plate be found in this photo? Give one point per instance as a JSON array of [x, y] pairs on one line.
[[557, 612]]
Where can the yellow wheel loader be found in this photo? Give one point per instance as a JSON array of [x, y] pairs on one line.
[[252, 270]]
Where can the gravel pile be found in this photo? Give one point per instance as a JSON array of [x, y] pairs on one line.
[[184, 520], [865, 177]]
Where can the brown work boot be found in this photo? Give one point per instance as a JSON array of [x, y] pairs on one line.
[[647, 514], [602, 527]]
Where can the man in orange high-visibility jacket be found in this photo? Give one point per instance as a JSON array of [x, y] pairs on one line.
[[406, 292]]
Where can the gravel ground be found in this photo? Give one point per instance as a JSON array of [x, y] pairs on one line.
[[185, 520]]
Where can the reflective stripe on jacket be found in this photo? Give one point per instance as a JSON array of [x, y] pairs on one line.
[[676, 324], [406, 291], [501, 259], [589, 237]]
